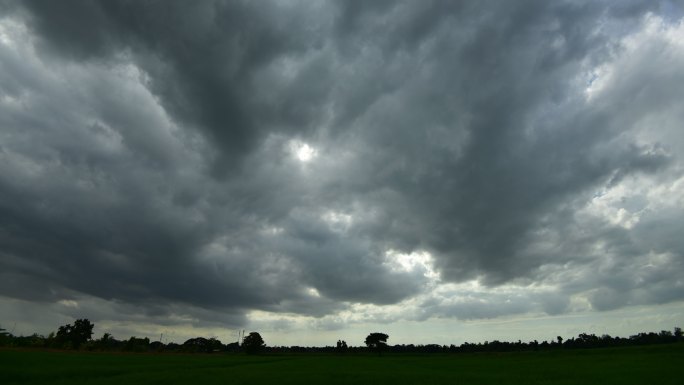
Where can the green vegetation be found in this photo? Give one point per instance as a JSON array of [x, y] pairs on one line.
[[659, 364]]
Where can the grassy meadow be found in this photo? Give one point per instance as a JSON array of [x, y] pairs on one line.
[[661, 364]]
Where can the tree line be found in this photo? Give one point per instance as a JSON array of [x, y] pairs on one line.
[[78, 336]]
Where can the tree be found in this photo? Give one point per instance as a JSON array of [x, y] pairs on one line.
[[75, 335], [341, 346], [253, 343], [107, 342], [377, 341], [5, 337], [138, 345], [201, 344]]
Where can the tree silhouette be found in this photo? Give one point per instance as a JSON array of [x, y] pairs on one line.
[[377, 341], [201, 344], [342, 346], [4, 336], [253, 343], [75, 335], [135, 344]]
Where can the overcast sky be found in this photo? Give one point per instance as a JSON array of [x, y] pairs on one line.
[[442, 171]]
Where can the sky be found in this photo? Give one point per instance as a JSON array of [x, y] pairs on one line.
[[440, 171]]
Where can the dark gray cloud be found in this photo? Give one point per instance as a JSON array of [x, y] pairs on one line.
[[201, 60], [158, 153]]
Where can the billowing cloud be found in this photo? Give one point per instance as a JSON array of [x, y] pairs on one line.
[[351, 162]]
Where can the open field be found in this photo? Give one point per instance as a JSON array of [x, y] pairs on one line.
[[631, 365]]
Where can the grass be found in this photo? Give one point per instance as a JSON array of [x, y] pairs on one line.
[[631, 365]]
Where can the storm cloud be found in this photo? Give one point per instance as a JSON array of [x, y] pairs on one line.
[[402, 160]]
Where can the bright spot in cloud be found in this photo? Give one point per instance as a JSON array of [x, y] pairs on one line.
[[68, 303], [410, 262], [596, 81], [302, 151], [272, 230], [337, 220], [313, 292]]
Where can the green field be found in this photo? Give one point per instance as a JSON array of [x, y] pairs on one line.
[[631, 365]]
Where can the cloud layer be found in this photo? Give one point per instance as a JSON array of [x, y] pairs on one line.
[[401, 160]]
